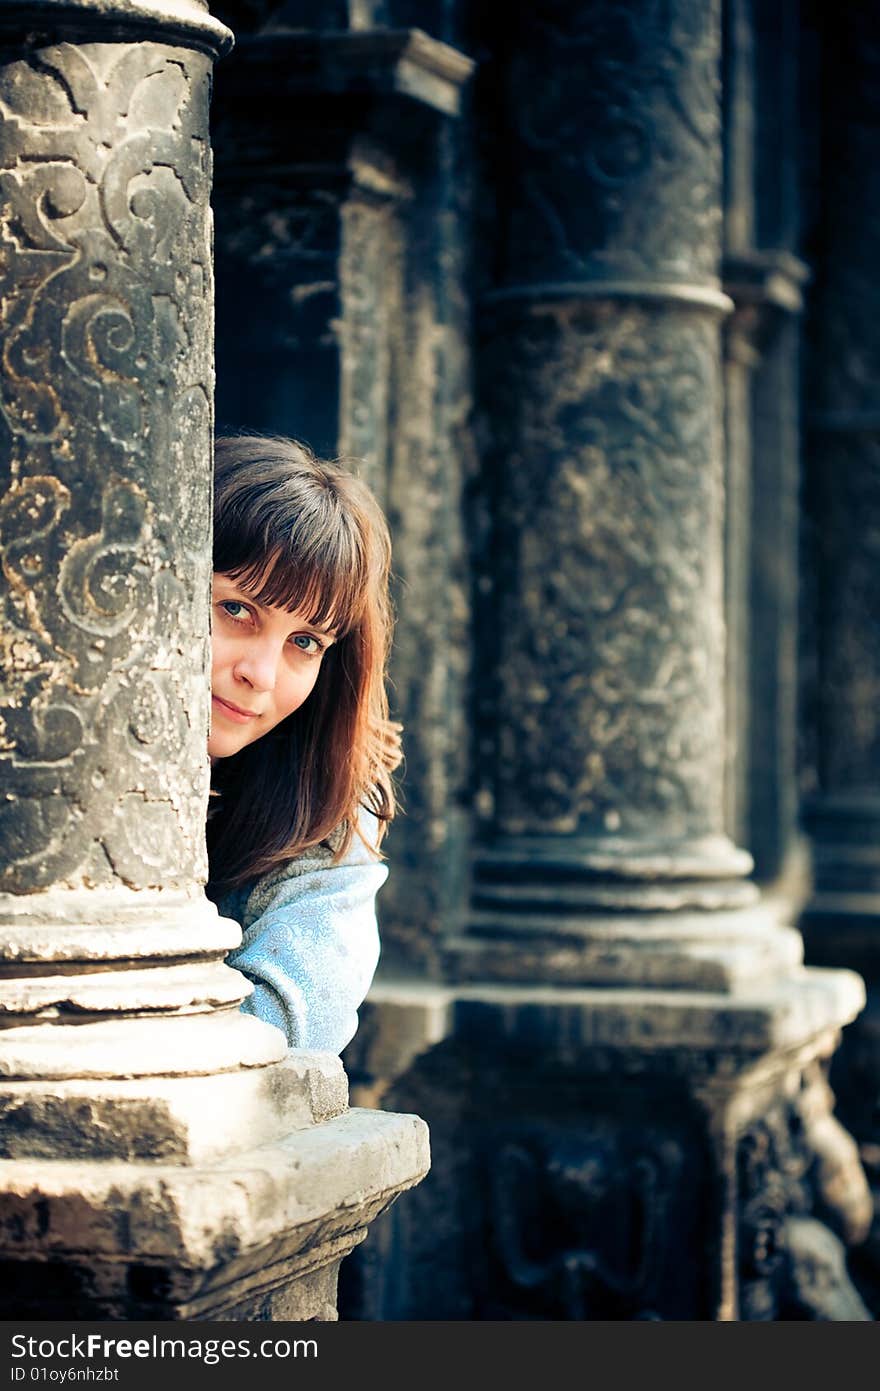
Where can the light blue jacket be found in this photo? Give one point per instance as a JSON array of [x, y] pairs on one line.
[[310, 943]]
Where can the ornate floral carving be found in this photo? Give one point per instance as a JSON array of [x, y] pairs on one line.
[[608, 485], [619, 102], [791, 1264], [584, 1222], [105, 390]]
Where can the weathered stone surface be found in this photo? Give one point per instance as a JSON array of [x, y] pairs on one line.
[[106, 395], [63, 951], [70, 930], [616, 177], [791, 1264], [600, 371], [286, 1209], [181, 1120], [740, 1027], [571, 1183], [847, 1203], [161, 1046], [399, 1021], [694, 953], [165, 1157], [185, 21], [819, 1285], [609, 580]]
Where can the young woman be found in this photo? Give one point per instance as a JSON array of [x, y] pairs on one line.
[[301, 746]]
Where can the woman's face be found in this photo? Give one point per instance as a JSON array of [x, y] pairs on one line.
[[264, 664]]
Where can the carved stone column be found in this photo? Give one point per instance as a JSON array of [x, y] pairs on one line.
[[631, 1041], [149, 1131], [606, 858], [842, 922]]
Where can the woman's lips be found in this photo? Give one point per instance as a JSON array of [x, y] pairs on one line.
[[234, 712]]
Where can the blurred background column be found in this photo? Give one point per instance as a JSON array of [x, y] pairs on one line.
[[765, 279], [160, 1154], [602, 386], [842, 556], [628, 1111]]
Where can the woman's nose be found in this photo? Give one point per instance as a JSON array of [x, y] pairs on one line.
[[258, 665]]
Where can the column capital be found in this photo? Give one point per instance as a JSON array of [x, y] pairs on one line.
[[186, 22]]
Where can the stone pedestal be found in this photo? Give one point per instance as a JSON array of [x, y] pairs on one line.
[[633, 1046], [162, 1157], [229, 1196], [613, 1154]]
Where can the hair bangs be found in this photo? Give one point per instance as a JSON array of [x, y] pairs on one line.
[[300, 553]]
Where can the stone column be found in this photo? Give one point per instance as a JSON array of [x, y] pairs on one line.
[[141, 1114], [607, 860], [629, 1091], [765, 279], [841, 924]]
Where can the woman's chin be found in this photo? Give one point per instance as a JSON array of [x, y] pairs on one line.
[[223, 745]]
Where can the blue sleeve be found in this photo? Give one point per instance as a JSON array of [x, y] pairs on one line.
[[310, 945]]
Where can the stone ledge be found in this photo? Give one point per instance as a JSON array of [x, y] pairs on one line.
[[401, 1020], [207, 1237], [313, 1180], [185, 1120], [781, 1014], [774, 279], [66, 928], [723, 952], [180, 1045]]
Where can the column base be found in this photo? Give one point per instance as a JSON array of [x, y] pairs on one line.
[[225, 1194], [718, 951], [621, 913], [840, 919], [255, 1235], [116, 983]]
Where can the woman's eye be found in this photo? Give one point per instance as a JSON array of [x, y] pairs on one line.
[[306, 643], [234, 609]]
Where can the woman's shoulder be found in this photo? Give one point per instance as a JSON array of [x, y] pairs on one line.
[[364, 847], [317, 869]]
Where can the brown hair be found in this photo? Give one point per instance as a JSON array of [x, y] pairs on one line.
[[308, 536]]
